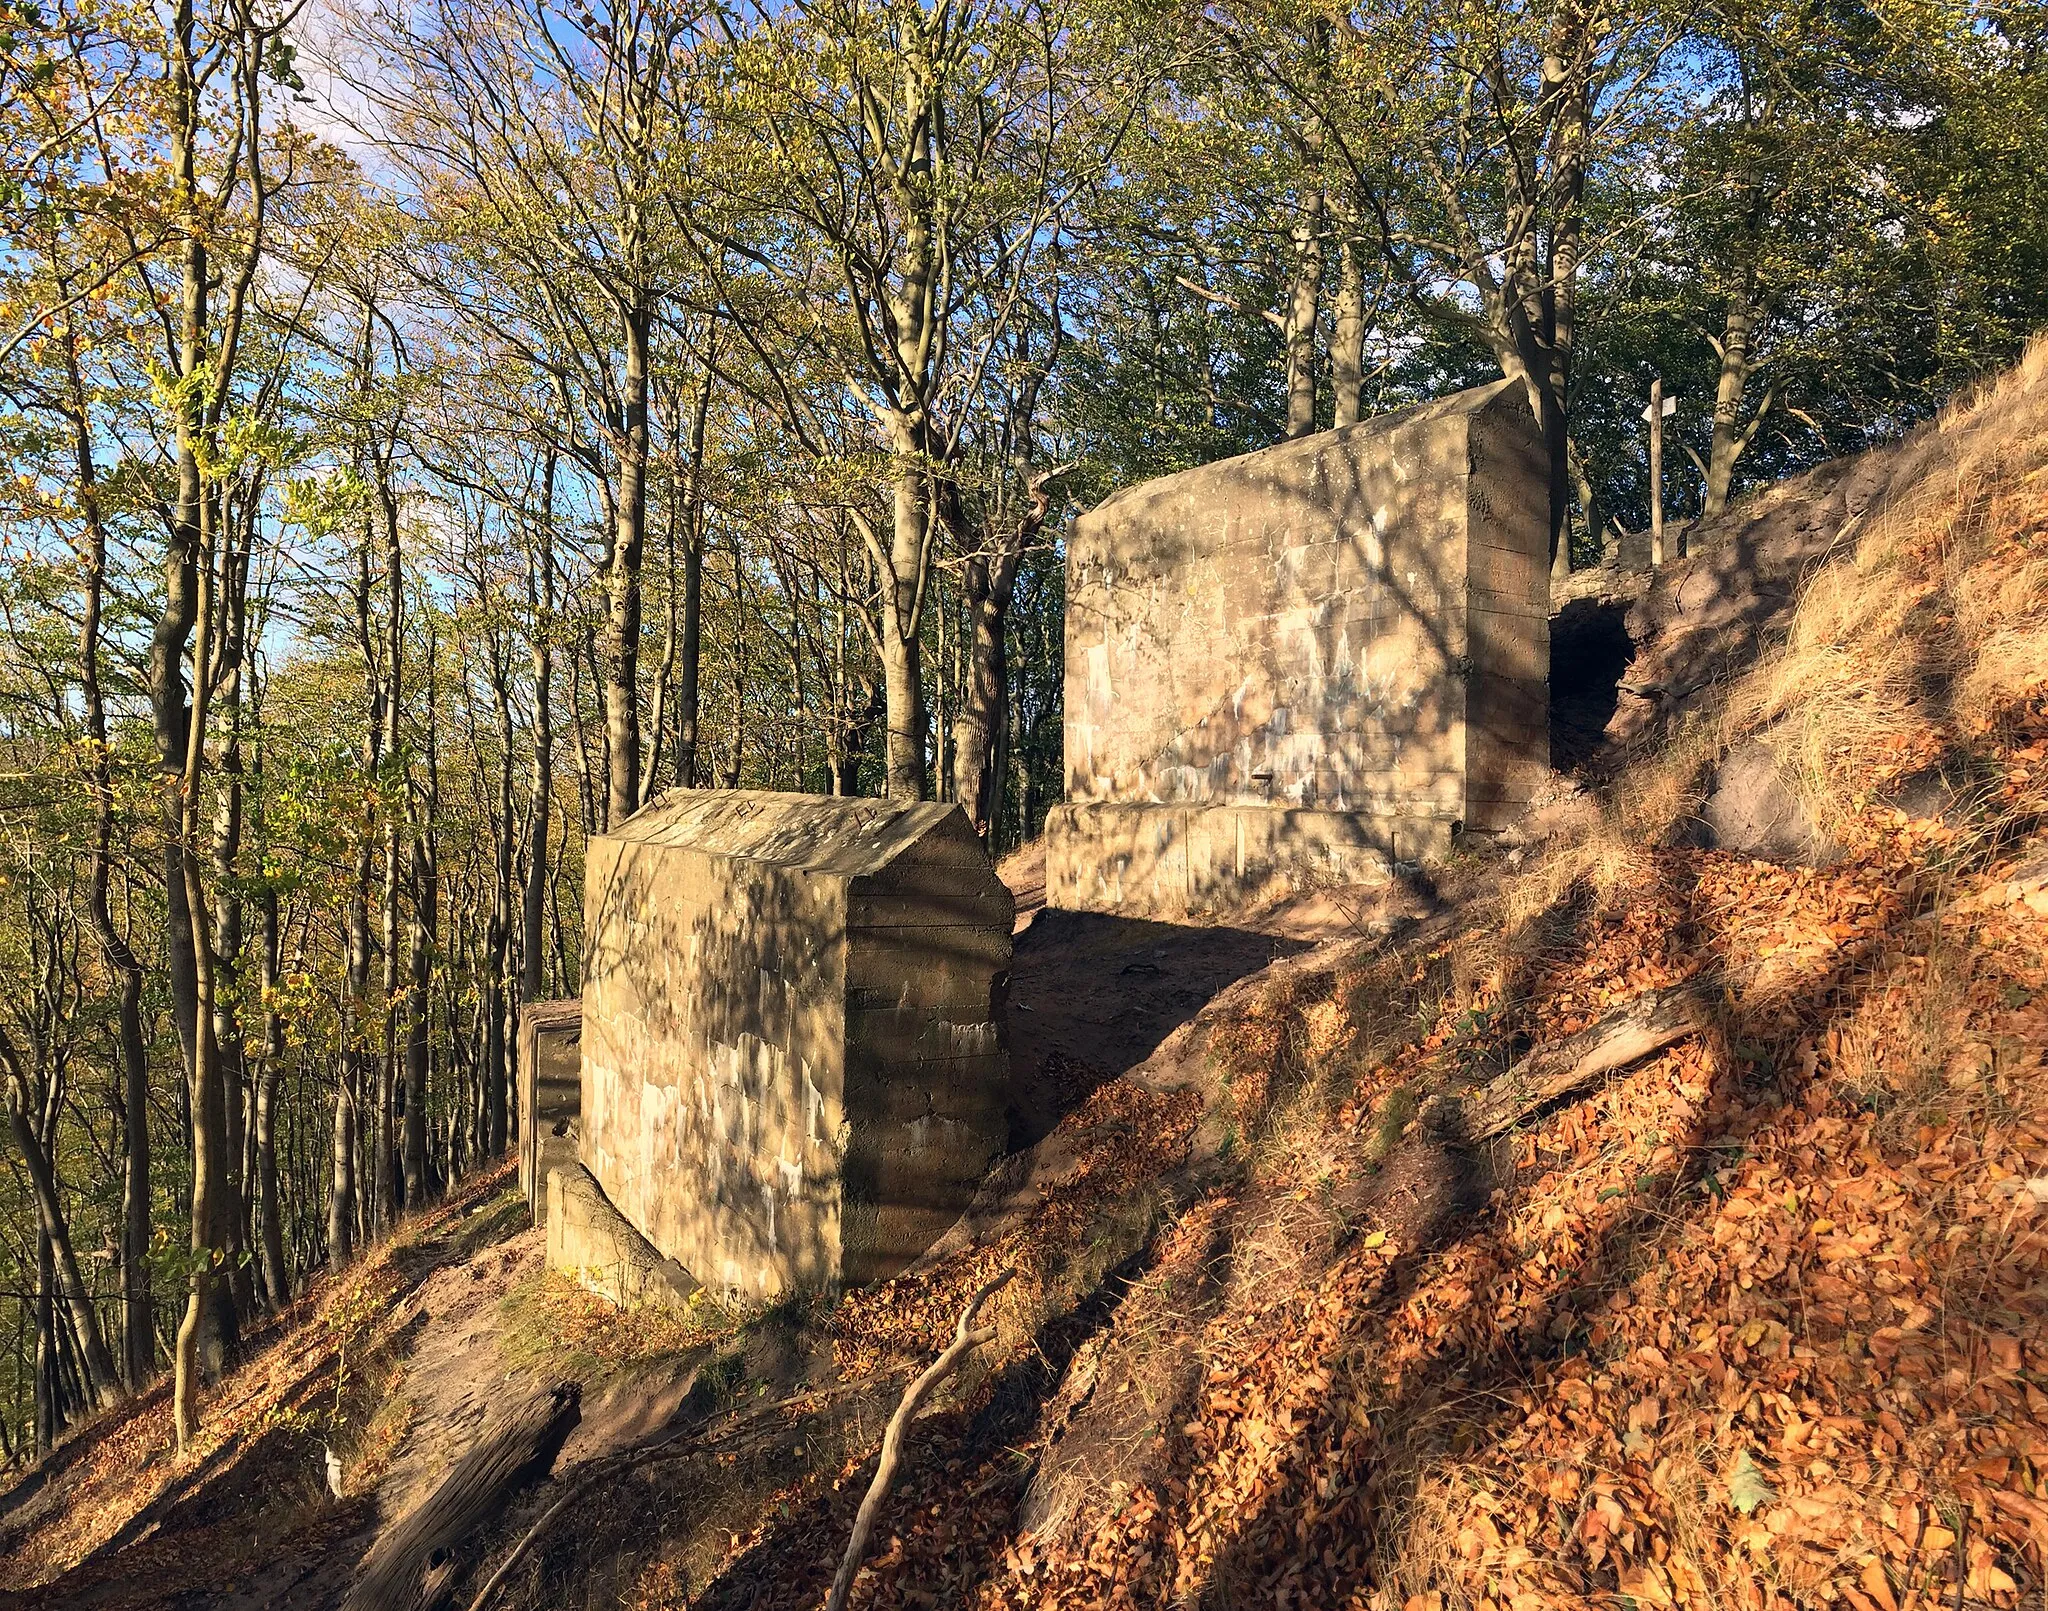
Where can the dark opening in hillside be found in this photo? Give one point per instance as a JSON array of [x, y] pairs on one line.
[[1590, 652]]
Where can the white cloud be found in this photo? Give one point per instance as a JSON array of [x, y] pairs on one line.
[[334, 65]]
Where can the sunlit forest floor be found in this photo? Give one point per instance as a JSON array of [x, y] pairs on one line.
[[1756, 1321]]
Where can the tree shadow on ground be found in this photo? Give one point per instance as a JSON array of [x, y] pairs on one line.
[[1459, 1400], [1092, 996]]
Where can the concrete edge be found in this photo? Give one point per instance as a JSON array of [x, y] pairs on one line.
[[596, 1246]]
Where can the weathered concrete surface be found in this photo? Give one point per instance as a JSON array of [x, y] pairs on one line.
[[550, 1094], [794, 1065], [592, 1242], [1175, 860], [1753, 809], [1350, 630]]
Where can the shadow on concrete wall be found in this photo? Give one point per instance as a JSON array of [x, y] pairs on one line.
[[793, 1052], [1295, 648], [711, 1083], [1314, 690]]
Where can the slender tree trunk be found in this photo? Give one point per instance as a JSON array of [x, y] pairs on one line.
[[988, 580], [48, 1388], [1304, 297], [387, 1179], [540, 589], [419, 1009], [138, 1330], [1348, 327], [902, 610], [105, 1381], [1589, 500], [628, 545], [566, 966], [269, 1228], [1730, 437], [687, 671], [227, 926], [738, 669], [657, 716], [351, 1077], [498, 935], [207, 1331], [985, 584], [579, 749], [206, 1336], [1565, 80], [422, 946]]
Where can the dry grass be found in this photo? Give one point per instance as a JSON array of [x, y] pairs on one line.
[[1905, 657], [1927, 650], [1935, 631], [550, 1320], [1898, 1051]]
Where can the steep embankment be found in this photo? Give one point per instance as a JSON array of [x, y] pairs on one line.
[[1753, 1319], [251, 1517]]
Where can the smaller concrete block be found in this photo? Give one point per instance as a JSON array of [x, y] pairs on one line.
[[592, 1243], [550, 1075], [774, 985]]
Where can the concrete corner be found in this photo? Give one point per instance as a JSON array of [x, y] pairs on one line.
[[591, 1242]]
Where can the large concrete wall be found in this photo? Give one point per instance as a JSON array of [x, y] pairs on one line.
[[1350, 632], [794, 1068]]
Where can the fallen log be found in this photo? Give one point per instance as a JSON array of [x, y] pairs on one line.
[[598, 1471], [414, 1562], [760, 1426], [1647, 1024]]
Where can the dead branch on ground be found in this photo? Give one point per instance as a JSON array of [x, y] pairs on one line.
[[677, 1442], [965, 1341], [1647, 1024], [414, 1561]]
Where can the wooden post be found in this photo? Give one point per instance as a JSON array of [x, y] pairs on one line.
[[1657, 474]]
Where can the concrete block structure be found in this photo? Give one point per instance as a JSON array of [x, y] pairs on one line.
[[1301, 665], [593, 1244], [794, 1065], [550, 1078]]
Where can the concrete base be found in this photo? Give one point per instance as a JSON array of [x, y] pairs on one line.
[[593, 1243], [1173, 862]]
